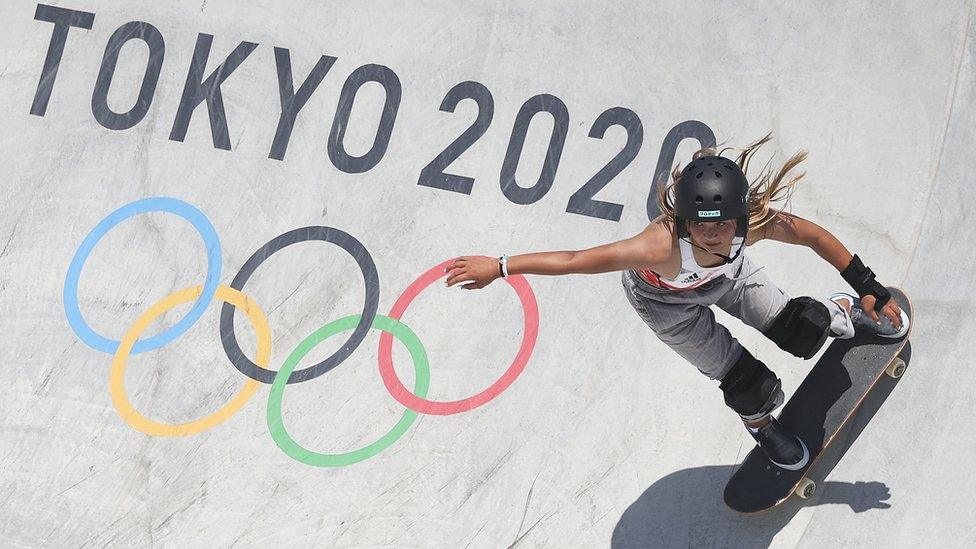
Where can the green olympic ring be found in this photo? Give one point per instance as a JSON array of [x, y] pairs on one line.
[[296, 451]]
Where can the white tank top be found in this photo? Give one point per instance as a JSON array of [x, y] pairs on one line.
[[692, 274]]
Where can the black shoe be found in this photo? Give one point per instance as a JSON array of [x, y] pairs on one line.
[[782, 447]]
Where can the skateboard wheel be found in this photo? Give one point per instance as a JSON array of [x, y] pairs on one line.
[[806, 488], [896, 368]]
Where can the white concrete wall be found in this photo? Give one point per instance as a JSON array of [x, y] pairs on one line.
[[607, 437]]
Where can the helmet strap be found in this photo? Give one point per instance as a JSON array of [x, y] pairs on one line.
[[742, 223], [724, 257]]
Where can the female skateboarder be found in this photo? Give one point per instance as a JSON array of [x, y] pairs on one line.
[[692, 256]]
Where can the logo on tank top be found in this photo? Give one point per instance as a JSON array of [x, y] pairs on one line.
[[692, 278]]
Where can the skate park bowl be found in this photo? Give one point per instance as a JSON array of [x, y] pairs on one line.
[[225, 230]]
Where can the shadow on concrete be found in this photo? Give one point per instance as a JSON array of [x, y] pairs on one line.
[[686, 508]]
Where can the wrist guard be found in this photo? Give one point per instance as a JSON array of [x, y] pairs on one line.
[[862, 280]]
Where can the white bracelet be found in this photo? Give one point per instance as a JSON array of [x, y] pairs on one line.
[[504, 261]]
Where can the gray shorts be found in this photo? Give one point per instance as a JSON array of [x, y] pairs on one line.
[[686, 323]]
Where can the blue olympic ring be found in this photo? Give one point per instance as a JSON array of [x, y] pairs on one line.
[[155, 204]]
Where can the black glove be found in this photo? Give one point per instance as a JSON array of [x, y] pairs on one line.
[[862, 280]]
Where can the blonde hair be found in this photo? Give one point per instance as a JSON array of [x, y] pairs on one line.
[[764, 190]]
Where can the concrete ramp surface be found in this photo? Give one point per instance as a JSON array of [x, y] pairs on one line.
[[225, 225]]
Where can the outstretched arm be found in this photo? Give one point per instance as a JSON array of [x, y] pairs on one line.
[[643, 250]]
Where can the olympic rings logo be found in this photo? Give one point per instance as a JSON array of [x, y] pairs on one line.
[[257, 371]]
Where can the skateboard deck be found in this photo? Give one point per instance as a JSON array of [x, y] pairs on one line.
[[819, 409]]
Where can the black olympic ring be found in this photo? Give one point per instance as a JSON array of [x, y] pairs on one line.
[[326, 234]]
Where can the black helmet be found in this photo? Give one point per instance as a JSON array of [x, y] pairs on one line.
[[712, 188]]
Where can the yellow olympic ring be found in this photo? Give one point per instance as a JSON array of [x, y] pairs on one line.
[[116, 384]]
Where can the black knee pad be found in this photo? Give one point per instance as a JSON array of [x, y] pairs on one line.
[[750, 388], [801, 328]]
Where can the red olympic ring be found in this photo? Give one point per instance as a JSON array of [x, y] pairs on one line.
[[444, 408]]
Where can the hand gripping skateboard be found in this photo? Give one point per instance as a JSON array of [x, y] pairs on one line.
[[819, 409]]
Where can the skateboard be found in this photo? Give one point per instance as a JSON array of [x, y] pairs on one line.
[[819, 409]]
